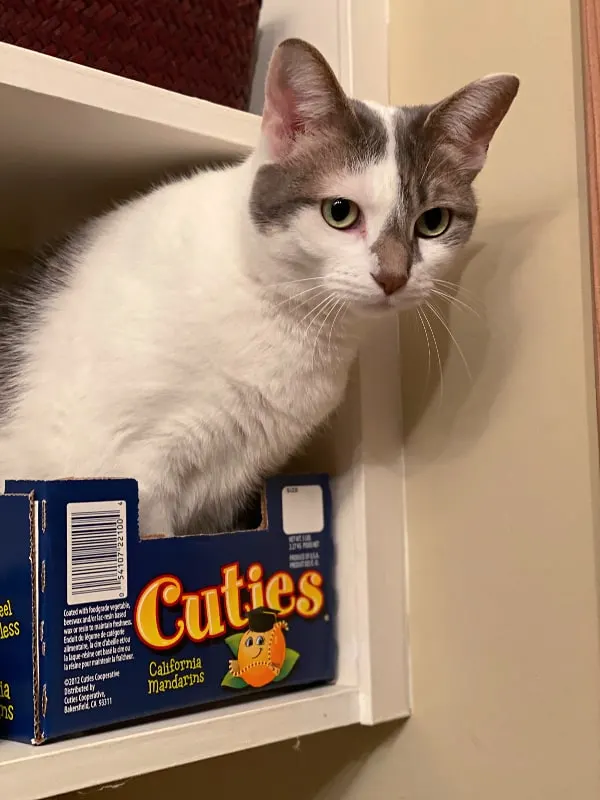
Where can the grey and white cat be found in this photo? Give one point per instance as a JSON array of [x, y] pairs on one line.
[[194, 338]]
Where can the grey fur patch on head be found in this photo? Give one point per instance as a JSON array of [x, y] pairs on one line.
[[357, 139], [429, 175], [439, 150]]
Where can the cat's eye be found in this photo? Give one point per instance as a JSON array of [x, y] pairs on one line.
[[339, 212], [433, 223]]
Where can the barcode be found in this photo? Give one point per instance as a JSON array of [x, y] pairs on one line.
[[96, 552]]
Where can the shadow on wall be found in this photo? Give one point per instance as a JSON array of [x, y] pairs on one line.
[[459, 402], [308, 769]]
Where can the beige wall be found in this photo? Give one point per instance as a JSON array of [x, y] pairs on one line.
[[502, 473], [503, 477]]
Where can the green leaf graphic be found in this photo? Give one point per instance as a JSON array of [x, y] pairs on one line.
[[291, 656], [232, 682], [233, 643]]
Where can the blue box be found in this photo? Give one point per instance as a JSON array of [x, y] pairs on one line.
[[99, 627]]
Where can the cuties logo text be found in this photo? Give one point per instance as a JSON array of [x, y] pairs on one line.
[[210, 612]]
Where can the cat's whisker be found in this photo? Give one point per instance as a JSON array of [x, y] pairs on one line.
[[297, 280], [437, 350], [298, 325], [335, 311], [448, 293], [314, 313], [333, 300], [456, 287], [444, 282], [451, 300], [331, 329], [436, 312], [420, 317], [322, 325], [299, 294], [454, 290], [322, 311], [347, 336]]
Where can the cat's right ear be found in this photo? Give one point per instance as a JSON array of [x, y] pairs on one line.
[[470, 117], [302, 96]]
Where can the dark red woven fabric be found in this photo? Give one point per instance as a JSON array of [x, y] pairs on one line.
[[203, 48]]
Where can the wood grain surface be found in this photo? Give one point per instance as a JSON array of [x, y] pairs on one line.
[[590, 24]]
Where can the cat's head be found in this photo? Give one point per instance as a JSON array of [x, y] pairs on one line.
[[361, 201]]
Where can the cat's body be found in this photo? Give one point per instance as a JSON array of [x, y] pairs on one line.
[[194, 338], [196, 387]]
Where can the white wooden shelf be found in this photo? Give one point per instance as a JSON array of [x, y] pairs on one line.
[[95, 115], [30, 773], [74, 138]]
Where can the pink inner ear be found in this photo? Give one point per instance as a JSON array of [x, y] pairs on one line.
[[281, 122]]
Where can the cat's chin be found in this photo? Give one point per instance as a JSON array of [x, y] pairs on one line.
[[376, 310], [387, 305]]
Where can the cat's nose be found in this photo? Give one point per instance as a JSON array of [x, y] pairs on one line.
[[390, 282]]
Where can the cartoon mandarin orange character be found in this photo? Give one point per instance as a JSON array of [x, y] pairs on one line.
[[262, 649]]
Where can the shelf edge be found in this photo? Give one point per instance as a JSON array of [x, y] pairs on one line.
[[55, 77], [32, 773]]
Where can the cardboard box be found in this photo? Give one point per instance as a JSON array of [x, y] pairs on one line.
[[98, 626]]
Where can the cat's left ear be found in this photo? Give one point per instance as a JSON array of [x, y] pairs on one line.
[[470, 117], [302, 97]]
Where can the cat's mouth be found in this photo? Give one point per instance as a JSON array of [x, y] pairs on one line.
[[376, 306], [393, 304]]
